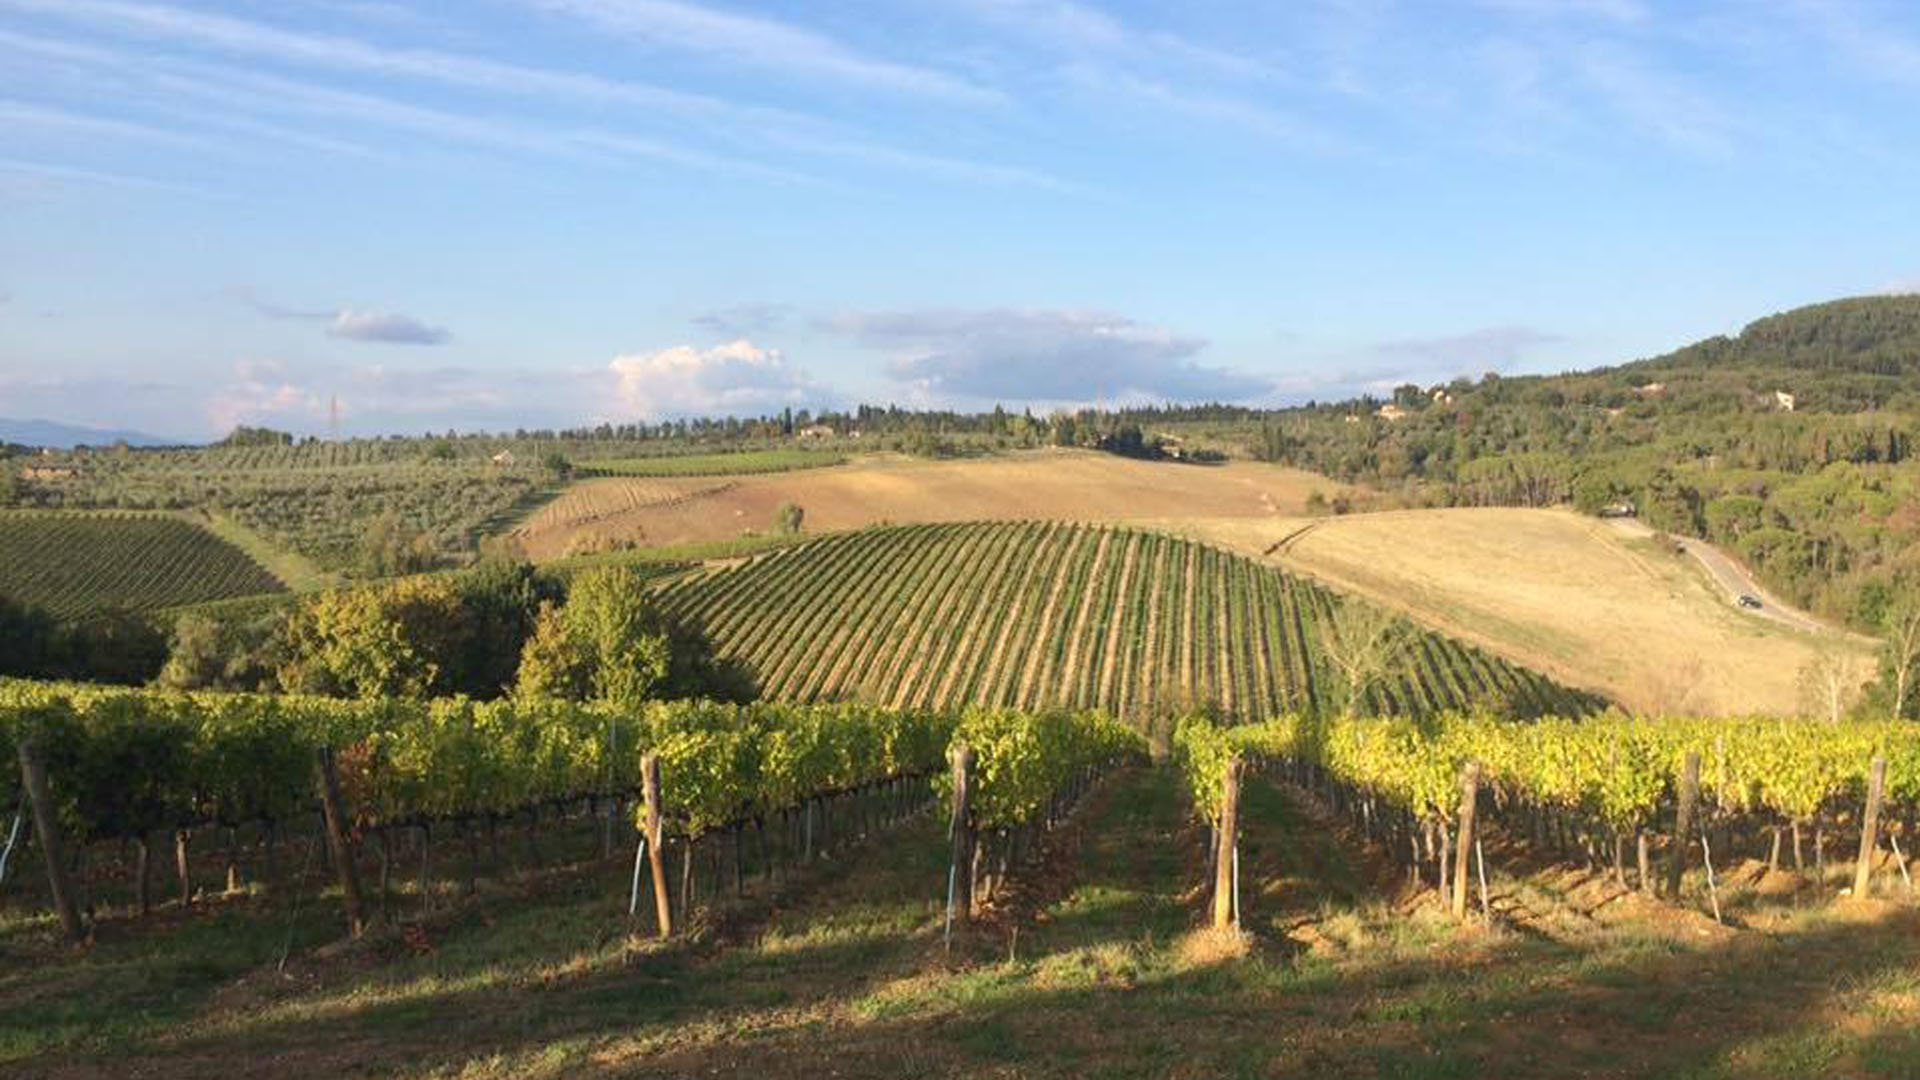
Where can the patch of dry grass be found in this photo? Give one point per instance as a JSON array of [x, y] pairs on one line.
[[1558, 592]]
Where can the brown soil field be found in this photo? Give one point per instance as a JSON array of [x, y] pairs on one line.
[[1565, 594], [1048, 484]]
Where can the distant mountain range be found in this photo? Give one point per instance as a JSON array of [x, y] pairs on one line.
[[66, 436]]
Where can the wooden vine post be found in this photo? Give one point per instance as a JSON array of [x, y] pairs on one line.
[[1870, 828], [1227, 837], [334, 812], [1463, 840], [1683, 822], [960, 873], [46, 828], [656, 835]]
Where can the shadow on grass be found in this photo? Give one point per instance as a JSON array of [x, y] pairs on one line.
[[851, 981]]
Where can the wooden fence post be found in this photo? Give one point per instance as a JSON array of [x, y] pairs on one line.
[[46, 828], [960, 884], [334, 815], [1227, 837], [655, 831], [1683, 825], [1870, 829], [1463, 850]]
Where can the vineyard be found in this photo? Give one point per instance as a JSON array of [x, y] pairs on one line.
[[1042, 615], [137, 766], [76, 565], [861, 890], [1586, 789]]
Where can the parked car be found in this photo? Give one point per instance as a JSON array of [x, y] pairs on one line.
[[1748, 600]]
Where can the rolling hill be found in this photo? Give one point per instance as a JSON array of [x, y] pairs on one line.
[[1041, 614], [78, 564]]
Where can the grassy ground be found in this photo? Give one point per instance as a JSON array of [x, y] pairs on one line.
[[297, 572], [1092, 968], [1560, 593]]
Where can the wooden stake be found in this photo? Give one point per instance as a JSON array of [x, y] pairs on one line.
[[46, 828], [1463, 840], [656, 855], [961, 833], [334, 813], [1683, 823], [1870, 829], [1227, 836]]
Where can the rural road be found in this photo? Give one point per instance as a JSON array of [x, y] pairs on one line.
[[1735, 581]]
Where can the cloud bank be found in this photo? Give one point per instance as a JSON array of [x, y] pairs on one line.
[[1045, 356], [739, 378]]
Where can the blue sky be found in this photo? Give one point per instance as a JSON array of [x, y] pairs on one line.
[[503, 213]]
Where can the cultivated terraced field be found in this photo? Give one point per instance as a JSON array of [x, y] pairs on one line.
[[79, 564], [1036, 614]]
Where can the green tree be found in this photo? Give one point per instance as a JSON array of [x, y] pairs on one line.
[[390, 547], [607, 643], [501, 598], [787, 519], [401, 639], [1900, 656]]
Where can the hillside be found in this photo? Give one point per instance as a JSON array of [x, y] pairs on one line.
[[1038, 614], [1791, 445], [1044, 484], [1591, 604], [76, 564]]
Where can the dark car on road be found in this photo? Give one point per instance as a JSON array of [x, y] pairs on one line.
[[1748, 600]]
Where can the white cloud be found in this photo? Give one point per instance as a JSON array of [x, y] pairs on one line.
[[763, 43], [739, 379], [1042, 356], [1904, 287], [263, 392], [385, 328]]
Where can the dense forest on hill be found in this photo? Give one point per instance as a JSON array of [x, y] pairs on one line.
[[1792, 443]]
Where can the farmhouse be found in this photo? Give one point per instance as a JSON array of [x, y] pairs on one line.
[[504, 459], [1784, 400], [1391, 412], [814, 432]]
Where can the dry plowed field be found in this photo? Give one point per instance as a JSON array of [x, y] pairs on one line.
[[1053, 485]]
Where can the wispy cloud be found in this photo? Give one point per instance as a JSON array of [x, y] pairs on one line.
[[220, 87], [1862, 38], [351, 324], [25, 114], [338, 52], [1618, 11], [764, 43], [1493, 348], [743, 320]]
